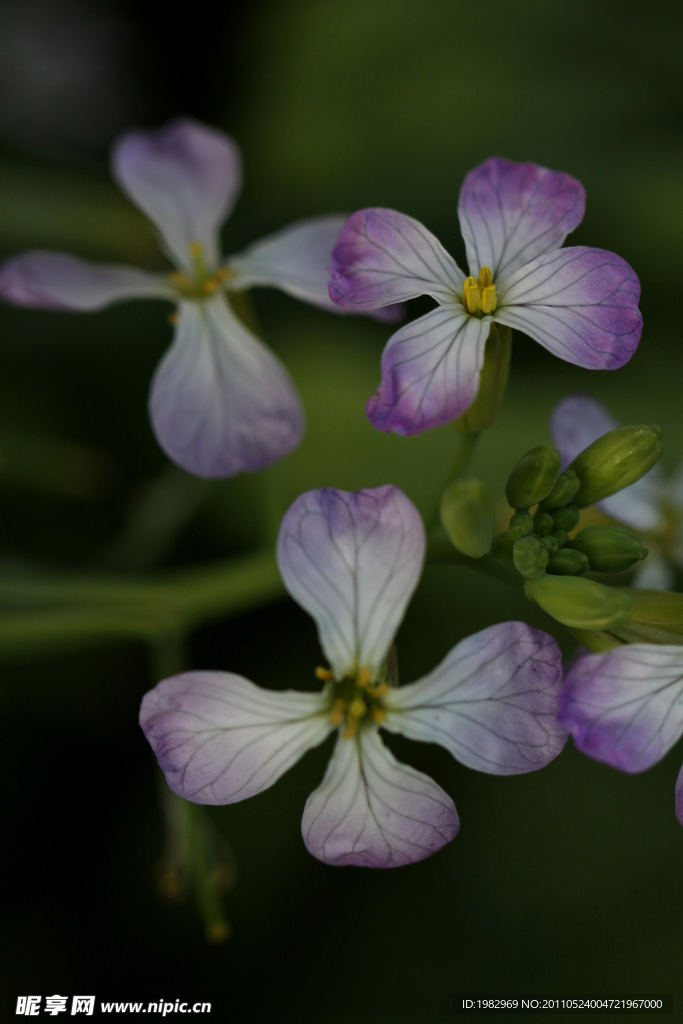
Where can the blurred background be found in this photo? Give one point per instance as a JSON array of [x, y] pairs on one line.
[[567, 881]]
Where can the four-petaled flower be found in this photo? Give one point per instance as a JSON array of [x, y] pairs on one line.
[[652, 505], [579, 303], [220, 401], [625, 706], [352, 560]]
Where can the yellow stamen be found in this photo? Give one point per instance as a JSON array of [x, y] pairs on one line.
[[325, 674], [485, 277], [363, 678], [470, 295], [488, 299], [351, 729], [337, 712], [357, 708], [380, 690], [479, 295]]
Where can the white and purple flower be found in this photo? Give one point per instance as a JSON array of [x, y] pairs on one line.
[[579, 303], [353, 560], [652, 505], [220, 401], [625, 706]]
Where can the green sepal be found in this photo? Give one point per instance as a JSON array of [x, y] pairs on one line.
[[579, 603]]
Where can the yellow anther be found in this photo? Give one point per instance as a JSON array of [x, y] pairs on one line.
[[351, 729], [488, 298], [178, 278], [337, 712], [485, 277], [326, 674], [470, 295], [210, 286], [380, 690], [224, 273], [377, 715], [357, 708], [363, 678]]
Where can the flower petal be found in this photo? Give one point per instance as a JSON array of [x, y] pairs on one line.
[[221, 402], [55, 280], [430, 371], [384, 257], [510, 213], [374, 812], [492, 702], [579, 303], [679, 796], [294, 259], [576, 422], [352, 560], [625, 706], [186, 177], [220, 738]]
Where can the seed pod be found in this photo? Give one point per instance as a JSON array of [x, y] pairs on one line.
[[533, 477], [614, 461]]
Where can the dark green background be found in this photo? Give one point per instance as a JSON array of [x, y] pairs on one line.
[[566, 881]]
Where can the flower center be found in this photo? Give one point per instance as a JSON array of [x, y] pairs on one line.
[[479, 294], [353, 700], [200, 283]]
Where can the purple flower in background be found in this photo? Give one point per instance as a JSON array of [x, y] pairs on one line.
[[353, 560], [220, 401], [652, 505], [625, 706], [579, 303]]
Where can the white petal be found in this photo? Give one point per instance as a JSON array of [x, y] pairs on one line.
[[186, 177], [492, 702], [352, 560], [374, 812], [55, 280], [221, 403], [220, 738], [294, 259]]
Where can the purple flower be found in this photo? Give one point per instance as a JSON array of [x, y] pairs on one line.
[[353, 560], [220, 401], [625, 706], [579, 303], [651, 505]]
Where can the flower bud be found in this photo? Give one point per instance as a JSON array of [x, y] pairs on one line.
[[578, 602], [564, 491], [610, 548], [533, 477], [614, 461], [530, 557], [466, 516], [543, 524], [568, 562], [521, 525], [566, 518]]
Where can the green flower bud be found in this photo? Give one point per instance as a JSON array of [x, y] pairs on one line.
[[578, 602], [610, 548], [564, 491], [543, 524], [533, 477], [561, 536], [530, 557], [466, 516], [521, 525], [551, 544], [566, 518], [614, 461], [568, 562]]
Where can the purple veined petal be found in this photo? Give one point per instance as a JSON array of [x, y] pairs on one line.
[[221, 403], [576, 422], [579, 303], [383, 257], [352, 561], [294, 259], [372, 811], [219, 738], [625, 706], [510, 213], [492, 702], [55, 280], [430, 371], [679, 796], [185, 177]]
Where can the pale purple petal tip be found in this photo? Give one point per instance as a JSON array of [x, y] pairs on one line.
[[383, 257], [372, 811], [579, 303], [55, 280], [492, 702], [219, 738], [221, 403], [186, 177], [625, 706], [510, 213], [430, 371], [352, 560]]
